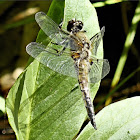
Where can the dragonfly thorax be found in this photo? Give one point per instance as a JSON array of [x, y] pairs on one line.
[[84, 54]]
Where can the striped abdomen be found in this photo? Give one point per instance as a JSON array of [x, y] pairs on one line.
[[84, 86]]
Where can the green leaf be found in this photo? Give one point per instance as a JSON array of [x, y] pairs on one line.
[[43, 104], [118, 121], [107, 2], [2, 105]]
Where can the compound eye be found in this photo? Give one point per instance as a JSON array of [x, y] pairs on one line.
[[70, 25], [80, 25]]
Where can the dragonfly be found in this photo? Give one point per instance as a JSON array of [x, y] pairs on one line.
[[71, 53]]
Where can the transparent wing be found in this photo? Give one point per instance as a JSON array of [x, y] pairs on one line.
[[48, 56], [95, 41], [98, 69], [50, 28]]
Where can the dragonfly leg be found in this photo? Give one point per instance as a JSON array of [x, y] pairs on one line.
[[60, 43], [84, 31], [60, 25], [59, 53], [54, 43]]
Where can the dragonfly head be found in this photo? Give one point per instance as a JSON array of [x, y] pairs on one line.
[[74, 26]]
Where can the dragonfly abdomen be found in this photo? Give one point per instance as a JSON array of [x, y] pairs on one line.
[[84, 86]]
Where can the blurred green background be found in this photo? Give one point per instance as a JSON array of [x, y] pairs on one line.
[[121, 48]]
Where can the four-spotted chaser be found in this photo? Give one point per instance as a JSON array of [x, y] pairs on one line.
[[71, 53]]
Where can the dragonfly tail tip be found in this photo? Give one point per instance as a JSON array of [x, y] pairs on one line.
[[93, 124]]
